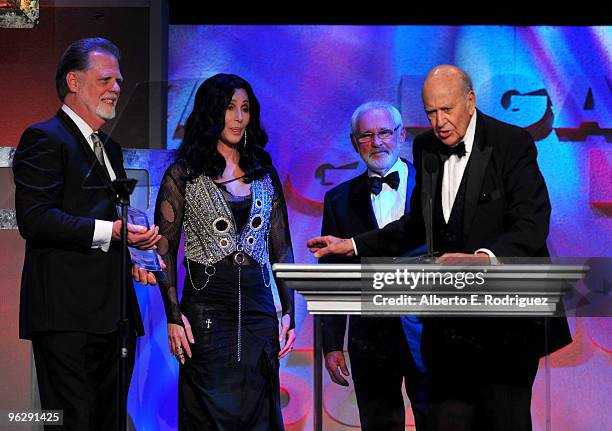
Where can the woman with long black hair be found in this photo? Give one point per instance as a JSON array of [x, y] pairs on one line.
[[224, 194]]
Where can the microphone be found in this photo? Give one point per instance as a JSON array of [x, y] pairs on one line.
[[431, 167]]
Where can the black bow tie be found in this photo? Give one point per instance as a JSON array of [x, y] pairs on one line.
[[458, 150], [376, 182]]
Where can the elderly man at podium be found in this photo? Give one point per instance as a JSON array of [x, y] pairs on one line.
[[479, 196]]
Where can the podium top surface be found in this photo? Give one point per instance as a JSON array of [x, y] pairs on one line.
[[511, 268]]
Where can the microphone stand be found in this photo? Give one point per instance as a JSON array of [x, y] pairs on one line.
[[431, 167], [429, 231], [123, 187]]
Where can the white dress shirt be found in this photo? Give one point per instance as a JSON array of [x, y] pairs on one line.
[[390, 204], [454, 168], [103, 230]]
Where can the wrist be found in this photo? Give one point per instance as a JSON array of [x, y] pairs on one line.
[[116, 236]]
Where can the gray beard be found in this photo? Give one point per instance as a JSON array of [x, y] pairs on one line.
[[103, 112], [380, 164]]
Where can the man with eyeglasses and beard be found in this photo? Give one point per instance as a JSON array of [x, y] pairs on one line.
[[384, 351], [70, 296]]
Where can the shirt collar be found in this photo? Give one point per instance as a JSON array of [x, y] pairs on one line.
[[85, 129]]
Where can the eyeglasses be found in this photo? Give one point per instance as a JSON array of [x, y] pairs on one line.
[[383, 135]]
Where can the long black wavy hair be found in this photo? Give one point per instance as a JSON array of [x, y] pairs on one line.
[[198, 151]]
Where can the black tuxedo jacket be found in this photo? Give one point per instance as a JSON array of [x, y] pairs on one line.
[[66, 285], [507, 210], [347, 211]]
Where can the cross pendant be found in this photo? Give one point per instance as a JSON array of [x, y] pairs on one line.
[[208, 323]]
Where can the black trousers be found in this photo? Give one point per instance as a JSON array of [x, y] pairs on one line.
[[77, 373], [493, 397], [380, 362]]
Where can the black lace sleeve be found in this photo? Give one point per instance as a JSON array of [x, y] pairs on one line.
[[169, 211], [281, 250]]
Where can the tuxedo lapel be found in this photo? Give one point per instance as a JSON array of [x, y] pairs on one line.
[[410, 183], [361, 203], [479, 159], [95, 166]]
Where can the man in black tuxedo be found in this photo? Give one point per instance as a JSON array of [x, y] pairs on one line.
[[489, 202], [384, 351], [70, 297]]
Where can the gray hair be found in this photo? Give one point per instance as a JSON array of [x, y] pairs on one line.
[[466, 82], [372, 106], [76, 57]]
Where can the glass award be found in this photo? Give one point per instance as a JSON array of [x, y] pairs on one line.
[[145, 259]]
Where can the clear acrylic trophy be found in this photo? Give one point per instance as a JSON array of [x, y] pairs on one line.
[[145, 259]]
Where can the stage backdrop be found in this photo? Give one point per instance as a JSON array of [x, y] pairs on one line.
[[553, 81]]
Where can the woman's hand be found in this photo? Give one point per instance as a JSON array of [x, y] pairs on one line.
[[145, 277], [287, 335], [179, 339]]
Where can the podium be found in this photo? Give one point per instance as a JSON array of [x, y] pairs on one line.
[[508, 289]]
